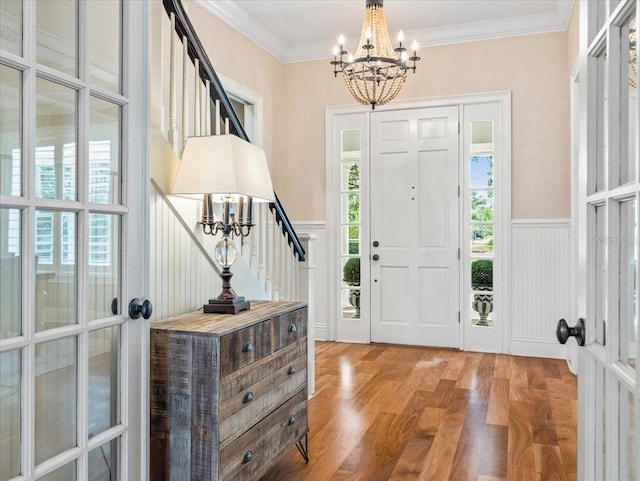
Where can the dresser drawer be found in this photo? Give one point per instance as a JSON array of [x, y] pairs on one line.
[[252, 454], [289, 328], [242, 347], [248, 395]]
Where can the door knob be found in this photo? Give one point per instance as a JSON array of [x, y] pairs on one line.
[[376, 243], [140, 307], [564, 332], [375, 257]]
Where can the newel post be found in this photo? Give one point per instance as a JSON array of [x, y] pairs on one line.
[[307, 293]]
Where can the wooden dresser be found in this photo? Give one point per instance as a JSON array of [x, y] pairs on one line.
[[228, 392]]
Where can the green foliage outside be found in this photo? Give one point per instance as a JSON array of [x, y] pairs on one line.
[[482, 275], [351, 271], [353, 182]]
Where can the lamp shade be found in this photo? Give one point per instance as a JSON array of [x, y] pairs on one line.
[[225, 165]]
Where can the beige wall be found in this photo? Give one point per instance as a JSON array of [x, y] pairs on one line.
[[533, 67]]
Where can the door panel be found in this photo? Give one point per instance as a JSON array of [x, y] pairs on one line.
[[414, 217], [608, 395]]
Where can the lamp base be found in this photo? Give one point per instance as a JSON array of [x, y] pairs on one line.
[[226, 306]]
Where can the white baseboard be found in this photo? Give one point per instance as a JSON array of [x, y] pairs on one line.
[[538, 348]]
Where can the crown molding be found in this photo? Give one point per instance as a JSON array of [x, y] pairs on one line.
[[229, 12]]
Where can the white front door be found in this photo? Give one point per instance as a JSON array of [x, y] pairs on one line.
[[609, 397], [72, 229], [414, 239]]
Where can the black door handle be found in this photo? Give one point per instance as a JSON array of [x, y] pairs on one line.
[[564, 332], [140, 307], [375, 257]]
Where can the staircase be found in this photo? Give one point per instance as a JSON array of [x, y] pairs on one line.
[[187, 99]]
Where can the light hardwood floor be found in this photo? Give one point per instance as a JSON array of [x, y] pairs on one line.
[[384, 412]]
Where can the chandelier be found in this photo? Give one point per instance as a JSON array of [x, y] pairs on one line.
[[376, 73]]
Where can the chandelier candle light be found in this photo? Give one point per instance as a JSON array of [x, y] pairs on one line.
[[378, 71], [229, 171]]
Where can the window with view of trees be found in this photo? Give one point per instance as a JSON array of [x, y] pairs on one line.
[[350, 168]]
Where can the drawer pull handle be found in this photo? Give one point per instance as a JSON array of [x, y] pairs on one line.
[[247, 398], [291, 371], [248, 347], [293, 328], [292, 420], [248, 456]]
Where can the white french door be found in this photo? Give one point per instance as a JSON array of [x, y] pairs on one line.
[[609, 397], [415, 278], [73, 193]]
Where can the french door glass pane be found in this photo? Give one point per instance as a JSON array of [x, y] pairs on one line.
[[10, 131], [55, 397], [104, 462], [104, 379], [55, 153], [57, 35], [105, 43], [627, 283], [10, 417], [600, 242], [597, 176], [629, 100], [104, 152], [104, 264], [10, 269], [628, 438], [56, 269], [11, 26], [68, 472]]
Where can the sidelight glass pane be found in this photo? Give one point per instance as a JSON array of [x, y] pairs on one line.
[[482, 205], [104, 462], [55, 153], [481, 171], [350, 145], [104, 152], [481, 309], [350, 240], [55, 397], [68, 472], [351, 303], [10, 414], [481, 136], [56, 269], [105, 43], [11, 28], [10, 131], [104, 264], [57, 35], [104, 379], [600, 242], [10, 273], [482, 240], [626, 245], [351, 176], [629, 100], [351, 208]]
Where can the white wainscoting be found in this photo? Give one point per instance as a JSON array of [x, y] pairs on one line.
[[182, 276], [323, 303], [541, 291]]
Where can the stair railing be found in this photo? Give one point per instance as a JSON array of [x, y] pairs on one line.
[[199, 105]]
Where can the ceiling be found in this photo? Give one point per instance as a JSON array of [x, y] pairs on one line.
[[298, 30]]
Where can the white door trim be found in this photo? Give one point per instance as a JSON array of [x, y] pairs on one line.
[[504, 98]]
